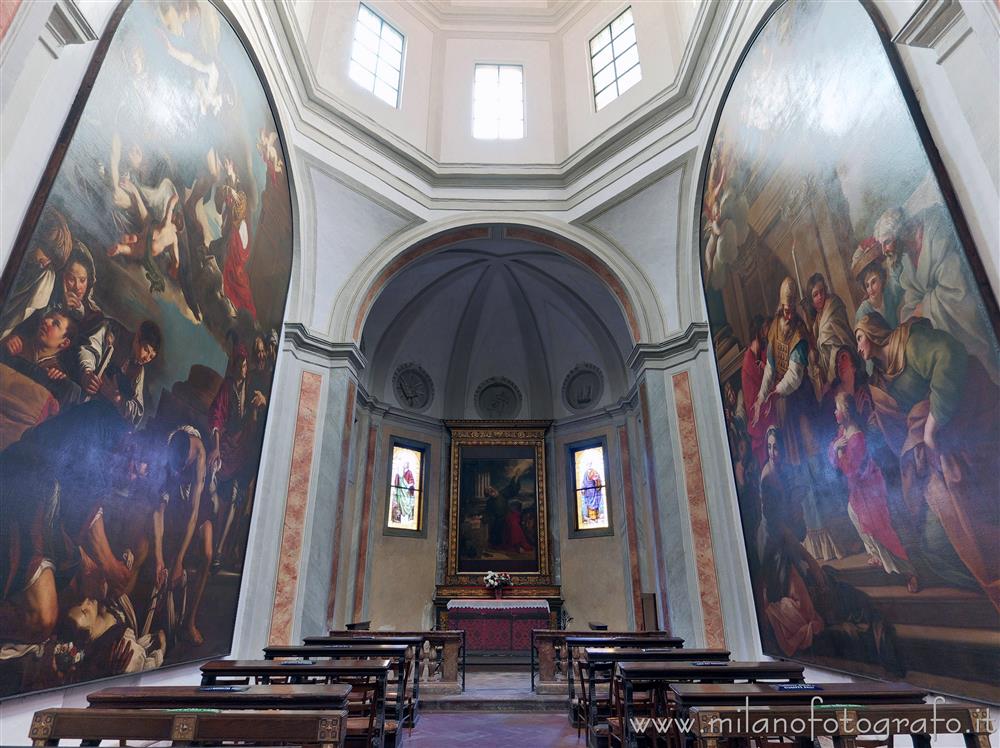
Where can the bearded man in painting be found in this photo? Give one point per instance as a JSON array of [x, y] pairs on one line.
[[935, 279]]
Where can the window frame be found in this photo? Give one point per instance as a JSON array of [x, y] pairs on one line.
[[573, 520], [590, 60], [524, 112], [402, 56], [421, 509]]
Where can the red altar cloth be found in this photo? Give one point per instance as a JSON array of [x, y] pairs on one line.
[[498, 627]]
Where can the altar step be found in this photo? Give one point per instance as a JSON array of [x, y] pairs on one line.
[[497, 662], [494, 691]]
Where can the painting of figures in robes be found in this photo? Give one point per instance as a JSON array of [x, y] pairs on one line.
[[858, 363], [139, 323]]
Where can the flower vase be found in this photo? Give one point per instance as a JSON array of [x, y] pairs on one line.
[[498, 593]]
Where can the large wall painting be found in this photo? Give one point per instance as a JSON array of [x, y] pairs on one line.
[[140, 319], [858, 360]]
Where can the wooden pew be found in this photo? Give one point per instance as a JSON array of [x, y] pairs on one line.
[[550, 658], [688, 695], [442, 655], [323, 729], [654, 678], [358, 673], [844, 724], [599, 662], [394, 652], [414, 645], [283, 696]]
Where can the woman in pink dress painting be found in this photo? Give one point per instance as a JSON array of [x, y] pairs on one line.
[[867, 501]]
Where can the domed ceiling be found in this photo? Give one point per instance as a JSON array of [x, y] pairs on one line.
[[494, 311]]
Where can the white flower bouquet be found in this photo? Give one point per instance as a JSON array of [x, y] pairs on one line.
[[497, 579]]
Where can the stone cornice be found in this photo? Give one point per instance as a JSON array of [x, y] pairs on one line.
[[936, 24], [313, 104], [674, 351], [311, 347]]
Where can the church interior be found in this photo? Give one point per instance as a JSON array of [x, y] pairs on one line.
[[451, 372]]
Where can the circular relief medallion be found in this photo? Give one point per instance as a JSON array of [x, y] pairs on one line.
[[498, 398], [583, 387], [413, 387]]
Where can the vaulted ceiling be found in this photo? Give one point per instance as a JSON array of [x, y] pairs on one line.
[[497, 307]]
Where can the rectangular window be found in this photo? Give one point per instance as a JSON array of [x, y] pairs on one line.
[[377, 56], [614, 59], [405, 501], [589, 504], [498, 102]]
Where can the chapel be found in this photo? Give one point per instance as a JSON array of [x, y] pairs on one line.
[[452, 373]]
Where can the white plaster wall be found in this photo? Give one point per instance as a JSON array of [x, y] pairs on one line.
[[594, 571], [460, 58], [348, 225], [644, 226], [410, 120], [401, 570], [661, 30]]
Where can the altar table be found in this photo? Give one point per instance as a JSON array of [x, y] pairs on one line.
[[498, 625]]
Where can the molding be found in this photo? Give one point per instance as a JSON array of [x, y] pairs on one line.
[[313, 98], [311, 347], [66, 25], [940, 25], [672, 352]]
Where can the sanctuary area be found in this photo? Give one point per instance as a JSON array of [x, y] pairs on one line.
[[546, 373]]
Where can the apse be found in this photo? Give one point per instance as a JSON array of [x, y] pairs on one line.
[[497, 317]]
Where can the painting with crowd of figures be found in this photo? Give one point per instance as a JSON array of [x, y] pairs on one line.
[[858, 362], [138, 337]]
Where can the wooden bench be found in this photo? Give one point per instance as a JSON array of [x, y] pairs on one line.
[[599, 663], [441, 656], [844, 724], [653, 681], [323, 729], [550, 657], [413, 644], [367, 720], [396, 691]]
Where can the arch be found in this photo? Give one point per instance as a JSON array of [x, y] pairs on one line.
[[624, 280]]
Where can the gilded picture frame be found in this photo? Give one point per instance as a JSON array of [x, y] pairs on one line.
[[497, 502]]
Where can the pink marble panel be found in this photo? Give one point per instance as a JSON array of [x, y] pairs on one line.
[[701, 528], [8, 8], [295, 509], [338, 525], [368, 498]]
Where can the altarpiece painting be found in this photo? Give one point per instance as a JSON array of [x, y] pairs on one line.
[[498, 517], [139, 327], [857, 347]]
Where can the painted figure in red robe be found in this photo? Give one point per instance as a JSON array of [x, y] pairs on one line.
[[231, 201]]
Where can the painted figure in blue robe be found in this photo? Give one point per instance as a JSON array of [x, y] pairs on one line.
[[593, 495]]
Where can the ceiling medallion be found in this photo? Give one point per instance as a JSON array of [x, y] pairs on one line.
[[498, 398], [583, 387], [412, 386]]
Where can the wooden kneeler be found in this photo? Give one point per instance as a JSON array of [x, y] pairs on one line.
[[325, 729]]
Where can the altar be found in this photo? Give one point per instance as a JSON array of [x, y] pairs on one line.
[[498, 626]]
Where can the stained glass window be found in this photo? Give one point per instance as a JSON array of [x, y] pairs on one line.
[[590, 487], [614, 59], [405, 489], [377, 56]]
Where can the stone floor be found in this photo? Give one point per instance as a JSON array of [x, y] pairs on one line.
[[489, 730], [496, 709]]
